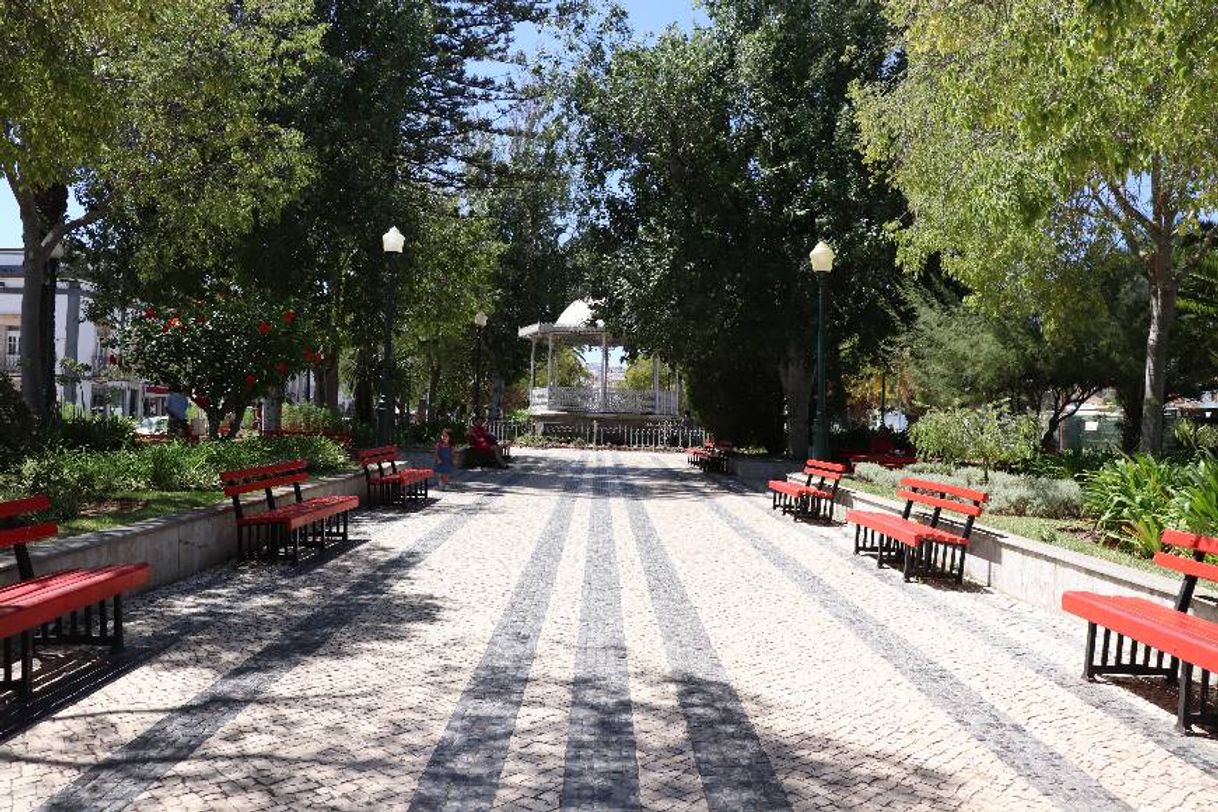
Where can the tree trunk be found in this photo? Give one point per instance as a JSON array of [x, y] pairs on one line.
[[496, 397], [1163, 290], [215, 418], [326, 392], [41, 210], [433, 387], [272, 411], [796, 377]]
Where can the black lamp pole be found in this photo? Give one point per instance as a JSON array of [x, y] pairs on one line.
[[821, 259], [480, 324], [392, 242]]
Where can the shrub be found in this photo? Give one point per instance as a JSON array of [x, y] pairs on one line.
[[1195, 436], [92, 433], [1069, 464], [17, 424], [1131, 500], [983, 435], [1195, 506], [73, 477], [1010, 494], [309, 417]]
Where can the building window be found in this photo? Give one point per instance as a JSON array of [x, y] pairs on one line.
[[13, 345]]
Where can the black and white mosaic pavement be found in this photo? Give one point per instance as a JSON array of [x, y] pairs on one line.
[[595, 630]]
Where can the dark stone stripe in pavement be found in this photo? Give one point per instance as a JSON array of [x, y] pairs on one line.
[[601, 769], [463, 771], [1039, 764], [1157, 726], [118, 779], [735, 769]]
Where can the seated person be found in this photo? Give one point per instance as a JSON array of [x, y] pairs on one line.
[[483, 443]]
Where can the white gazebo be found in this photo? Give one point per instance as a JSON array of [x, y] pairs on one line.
[[576, 327]]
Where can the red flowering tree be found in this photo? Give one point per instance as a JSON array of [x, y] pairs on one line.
[[224, 352]]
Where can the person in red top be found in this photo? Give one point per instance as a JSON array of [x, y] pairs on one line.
[[483, 442]]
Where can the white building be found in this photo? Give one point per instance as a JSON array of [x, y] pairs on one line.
[[76, 338]]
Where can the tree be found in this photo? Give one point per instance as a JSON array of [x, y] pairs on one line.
[[224, 351], [138, 104], [1024, 133], [713, 162]]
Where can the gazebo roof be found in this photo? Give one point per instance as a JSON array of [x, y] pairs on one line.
[[576, 320]]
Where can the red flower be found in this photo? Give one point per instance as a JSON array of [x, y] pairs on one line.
[[310, 356], [250, 380], [264, 328], [282, 366], [289, 316], [113, 359], [149, 313], [203, 400]]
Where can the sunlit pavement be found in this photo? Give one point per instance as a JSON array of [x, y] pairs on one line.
[[602, 630]]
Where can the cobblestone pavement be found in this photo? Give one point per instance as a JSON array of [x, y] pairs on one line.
[[595, 631]]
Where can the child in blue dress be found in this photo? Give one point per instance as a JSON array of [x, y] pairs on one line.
[[442, 456]]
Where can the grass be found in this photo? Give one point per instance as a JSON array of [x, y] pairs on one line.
[[136, 506], [1058, 532]]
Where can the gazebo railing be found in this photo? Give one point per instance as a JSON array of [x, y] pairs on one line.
[[587, 400]]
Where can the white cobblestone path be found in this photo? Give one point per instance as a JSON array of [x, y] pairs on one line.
[[595, 630]]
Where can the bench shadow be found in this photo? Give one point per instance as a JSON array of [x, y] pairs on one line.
[[1162, 694]]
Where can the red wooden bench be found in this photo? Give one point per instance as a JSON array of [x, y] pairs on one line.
[[393, 484], [58, 608], [1189, 642], [922, 546], [808, 500], [303, 521]]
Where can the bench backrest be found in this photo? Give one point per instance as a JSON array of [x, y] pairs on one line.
[[832, 471], [376, 456], [1191, 568], [17, 530], [264, 478], [941, 496]]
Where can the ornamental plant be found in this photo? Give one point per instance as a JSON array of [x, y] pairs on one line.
[[985, 436], [224, 351]]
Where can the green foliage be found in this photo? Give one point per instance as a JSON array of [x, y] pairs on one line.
[[1131, 499], [982, 435], [1195, 436], [712, 163], [1010, 494], [91, 432], [224, 351], [309, 417], [1195, 506], [17, 424], [1027, 135], [1069, 464], [72, 477]]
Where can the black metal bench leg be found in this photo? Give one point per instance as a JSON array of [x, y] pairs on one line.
[[1089, 655], [910, 561], [27, 665], [1186, 698], [116, 641]]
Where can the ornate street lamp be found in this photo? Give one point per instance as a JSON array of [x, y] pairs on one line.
[[392, 241], [821, 259], [480, 324]]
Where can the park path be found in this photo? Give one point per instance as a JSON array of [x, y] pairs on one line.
[[598, 630]]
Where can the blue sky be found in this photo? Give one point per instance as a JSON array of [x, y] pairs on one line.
[[647, 16]]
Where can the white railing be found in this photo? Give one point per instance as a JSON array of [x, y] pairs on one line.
[[591, 432], [586, 400]]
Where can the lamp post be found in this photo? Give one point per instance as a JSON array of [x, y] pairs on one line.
[[392, 241], [479, 323], [821, 259]]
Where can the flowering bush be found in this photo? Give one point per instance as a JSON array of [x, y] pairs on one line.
[[224, 352]]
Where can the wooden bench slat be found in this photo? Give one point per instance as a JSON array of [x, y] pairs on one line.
[[943, 504], [27, 533], [20, 507], [945, 487], [1190, 541], [261, 471], [1187, 566], [263, 484]]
